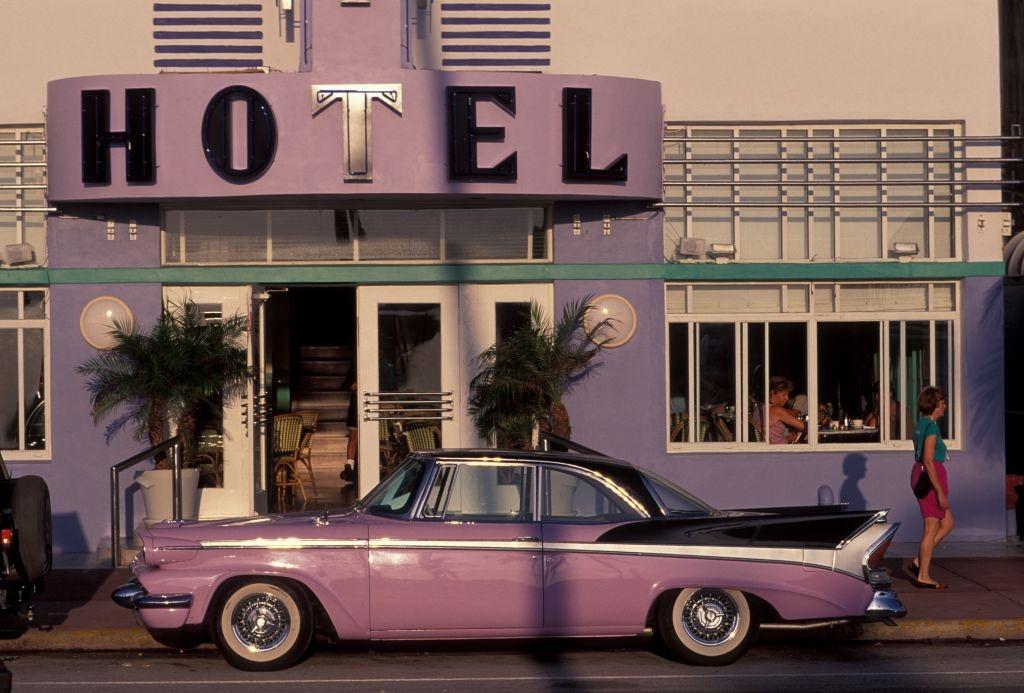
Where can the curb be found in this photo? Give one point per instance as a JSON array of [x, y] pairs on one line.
[[944, 629], [137, 638]]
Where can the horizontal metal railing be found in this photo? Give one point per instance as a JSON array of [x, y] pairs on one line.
[[172, 444], [406, 406]]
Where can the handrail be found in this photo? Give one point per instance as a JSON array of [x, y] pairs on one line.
[[547, 438], [174, 444]]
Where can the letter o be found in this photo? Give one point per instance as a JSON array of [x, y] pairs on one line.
[[261, 133]]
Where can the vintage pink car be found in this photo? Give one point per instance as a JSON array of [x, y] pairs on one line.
[[498, 544]]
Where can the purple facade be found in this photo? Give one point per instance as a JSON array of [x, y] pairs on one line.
[[620, 410]]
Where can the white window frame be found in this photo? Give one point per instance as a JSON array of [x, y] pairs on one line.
[[21, 323], [682, 224], [811, 318], [356, 260]]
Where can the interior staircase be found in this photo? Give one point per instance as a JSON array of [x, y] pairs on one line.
[[318, 387]]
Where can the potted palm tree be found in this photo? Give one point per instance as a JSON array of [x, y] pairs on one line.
[[156, 382], [522, 380]]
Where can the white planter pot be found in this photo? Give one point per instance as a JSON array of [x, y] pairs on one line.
[[158, 494]]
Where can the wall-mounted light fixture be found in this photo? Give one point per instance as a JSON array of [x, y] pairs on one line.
[[620, 314], [722, 251], [98, 318], [904, 250]]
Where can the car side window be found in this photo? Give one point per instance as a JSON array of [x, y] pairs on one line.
[[483, 493], [571, 497]]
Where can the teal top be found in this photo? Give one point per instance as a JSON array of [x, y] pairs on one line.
[[926, 427]]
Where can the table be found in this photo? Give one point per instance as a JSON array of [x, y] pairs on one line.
[[849, 435]]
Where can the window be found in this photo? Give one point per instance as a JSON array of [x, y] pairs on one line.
[[571, 497], [512, 234], [23, 189], [853, 357], [481, 492], [396, 494], [812, 194], [24, 342]]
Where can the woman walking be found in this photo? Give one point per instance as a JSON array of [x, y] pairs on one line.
[[932, 490]]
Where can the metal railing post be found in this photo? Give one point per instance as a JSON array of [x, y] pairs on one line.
[[115, 517], [176, 493], [175, 447]]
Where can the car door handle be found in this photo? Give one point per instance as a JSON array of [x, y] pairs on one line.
[[527, 538]]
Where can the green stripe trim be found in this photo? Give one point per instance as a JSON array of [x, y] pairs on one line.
[[444, 274]]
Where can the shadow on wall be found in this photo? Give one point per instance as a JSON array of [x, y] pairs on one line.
[[68, 534], [855, 467]]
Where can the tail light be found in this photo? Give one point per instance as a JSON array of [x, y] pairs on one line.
[[874, 564], [6, 539]]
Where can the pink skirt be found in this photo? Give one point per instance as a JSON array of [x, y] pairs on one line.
[[930, 504]]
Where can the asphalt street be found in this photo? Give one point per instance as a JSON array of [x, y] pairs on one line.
[[545, 666]]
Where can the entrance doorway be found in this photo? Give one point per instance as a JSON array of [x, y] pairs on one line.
[[310, 351]]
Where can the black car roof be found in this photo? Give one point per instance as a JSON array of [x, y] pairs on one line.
[[622, 472]]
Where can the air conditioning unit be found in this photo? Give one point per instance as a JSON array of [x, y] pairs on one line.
[[19, 254], [690, 248]]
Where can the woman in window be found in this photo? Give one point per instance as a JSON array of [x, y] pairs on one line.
[[784, 424], [929, 455]]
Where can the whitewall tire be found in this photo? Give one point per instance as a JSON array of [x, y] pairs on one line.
[[707, 626], [263, 626]]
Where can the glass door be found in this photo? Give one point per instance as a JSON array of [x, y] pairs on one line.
[[407, 374]]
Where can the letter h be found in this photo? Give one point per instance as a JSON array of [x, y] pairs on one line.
[[137, 137]]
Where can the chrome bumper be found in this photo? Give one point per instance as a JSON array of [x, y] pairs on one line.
[[132, 595], [885, 604]]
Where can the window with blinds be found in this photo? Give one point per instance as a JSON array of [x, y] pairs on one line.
[[471, 234], [23, 205], [814, 193]]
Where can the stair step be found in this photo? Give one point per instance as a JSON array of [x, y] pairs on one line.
[[317, 400], [325, 352], [321, 383], [314, 367]]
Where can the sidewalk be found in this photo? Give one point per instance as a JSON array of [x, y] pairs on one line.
[[985, 601]]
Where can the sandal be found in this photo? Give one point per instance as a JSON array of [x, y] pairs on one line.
[[913, 569], [929, 585]]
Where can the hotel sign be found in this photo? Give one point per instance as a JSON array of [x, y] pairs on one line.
[[258, 136]]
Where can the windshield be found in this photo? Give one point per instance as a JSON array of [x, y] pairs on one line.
[[674, 500], [396, 494]]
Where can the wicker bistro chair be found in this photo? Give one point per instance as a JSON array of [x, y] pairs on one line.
[[420, 438], [305, 453], [287, 443]]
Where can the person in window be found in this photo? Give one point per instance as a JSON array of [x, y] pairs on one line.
[[929, 456], [784, 424], [872, 418]]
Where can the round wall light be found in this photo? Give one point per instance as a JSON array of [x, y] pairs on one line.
[[620, 314], [98, 318]]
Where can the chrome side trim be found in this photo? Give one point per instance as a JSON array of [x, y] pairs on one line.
[[514, 545], [282, 543], [743, 553], [823, 558], [164, 601]]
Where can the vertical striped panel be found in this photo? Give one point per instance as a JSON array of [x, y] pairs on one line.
[[207, 35], [494, 34]]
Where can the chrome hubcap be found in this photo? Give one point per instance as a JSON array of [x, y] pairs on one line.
[[260, 622], [710, 617]]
